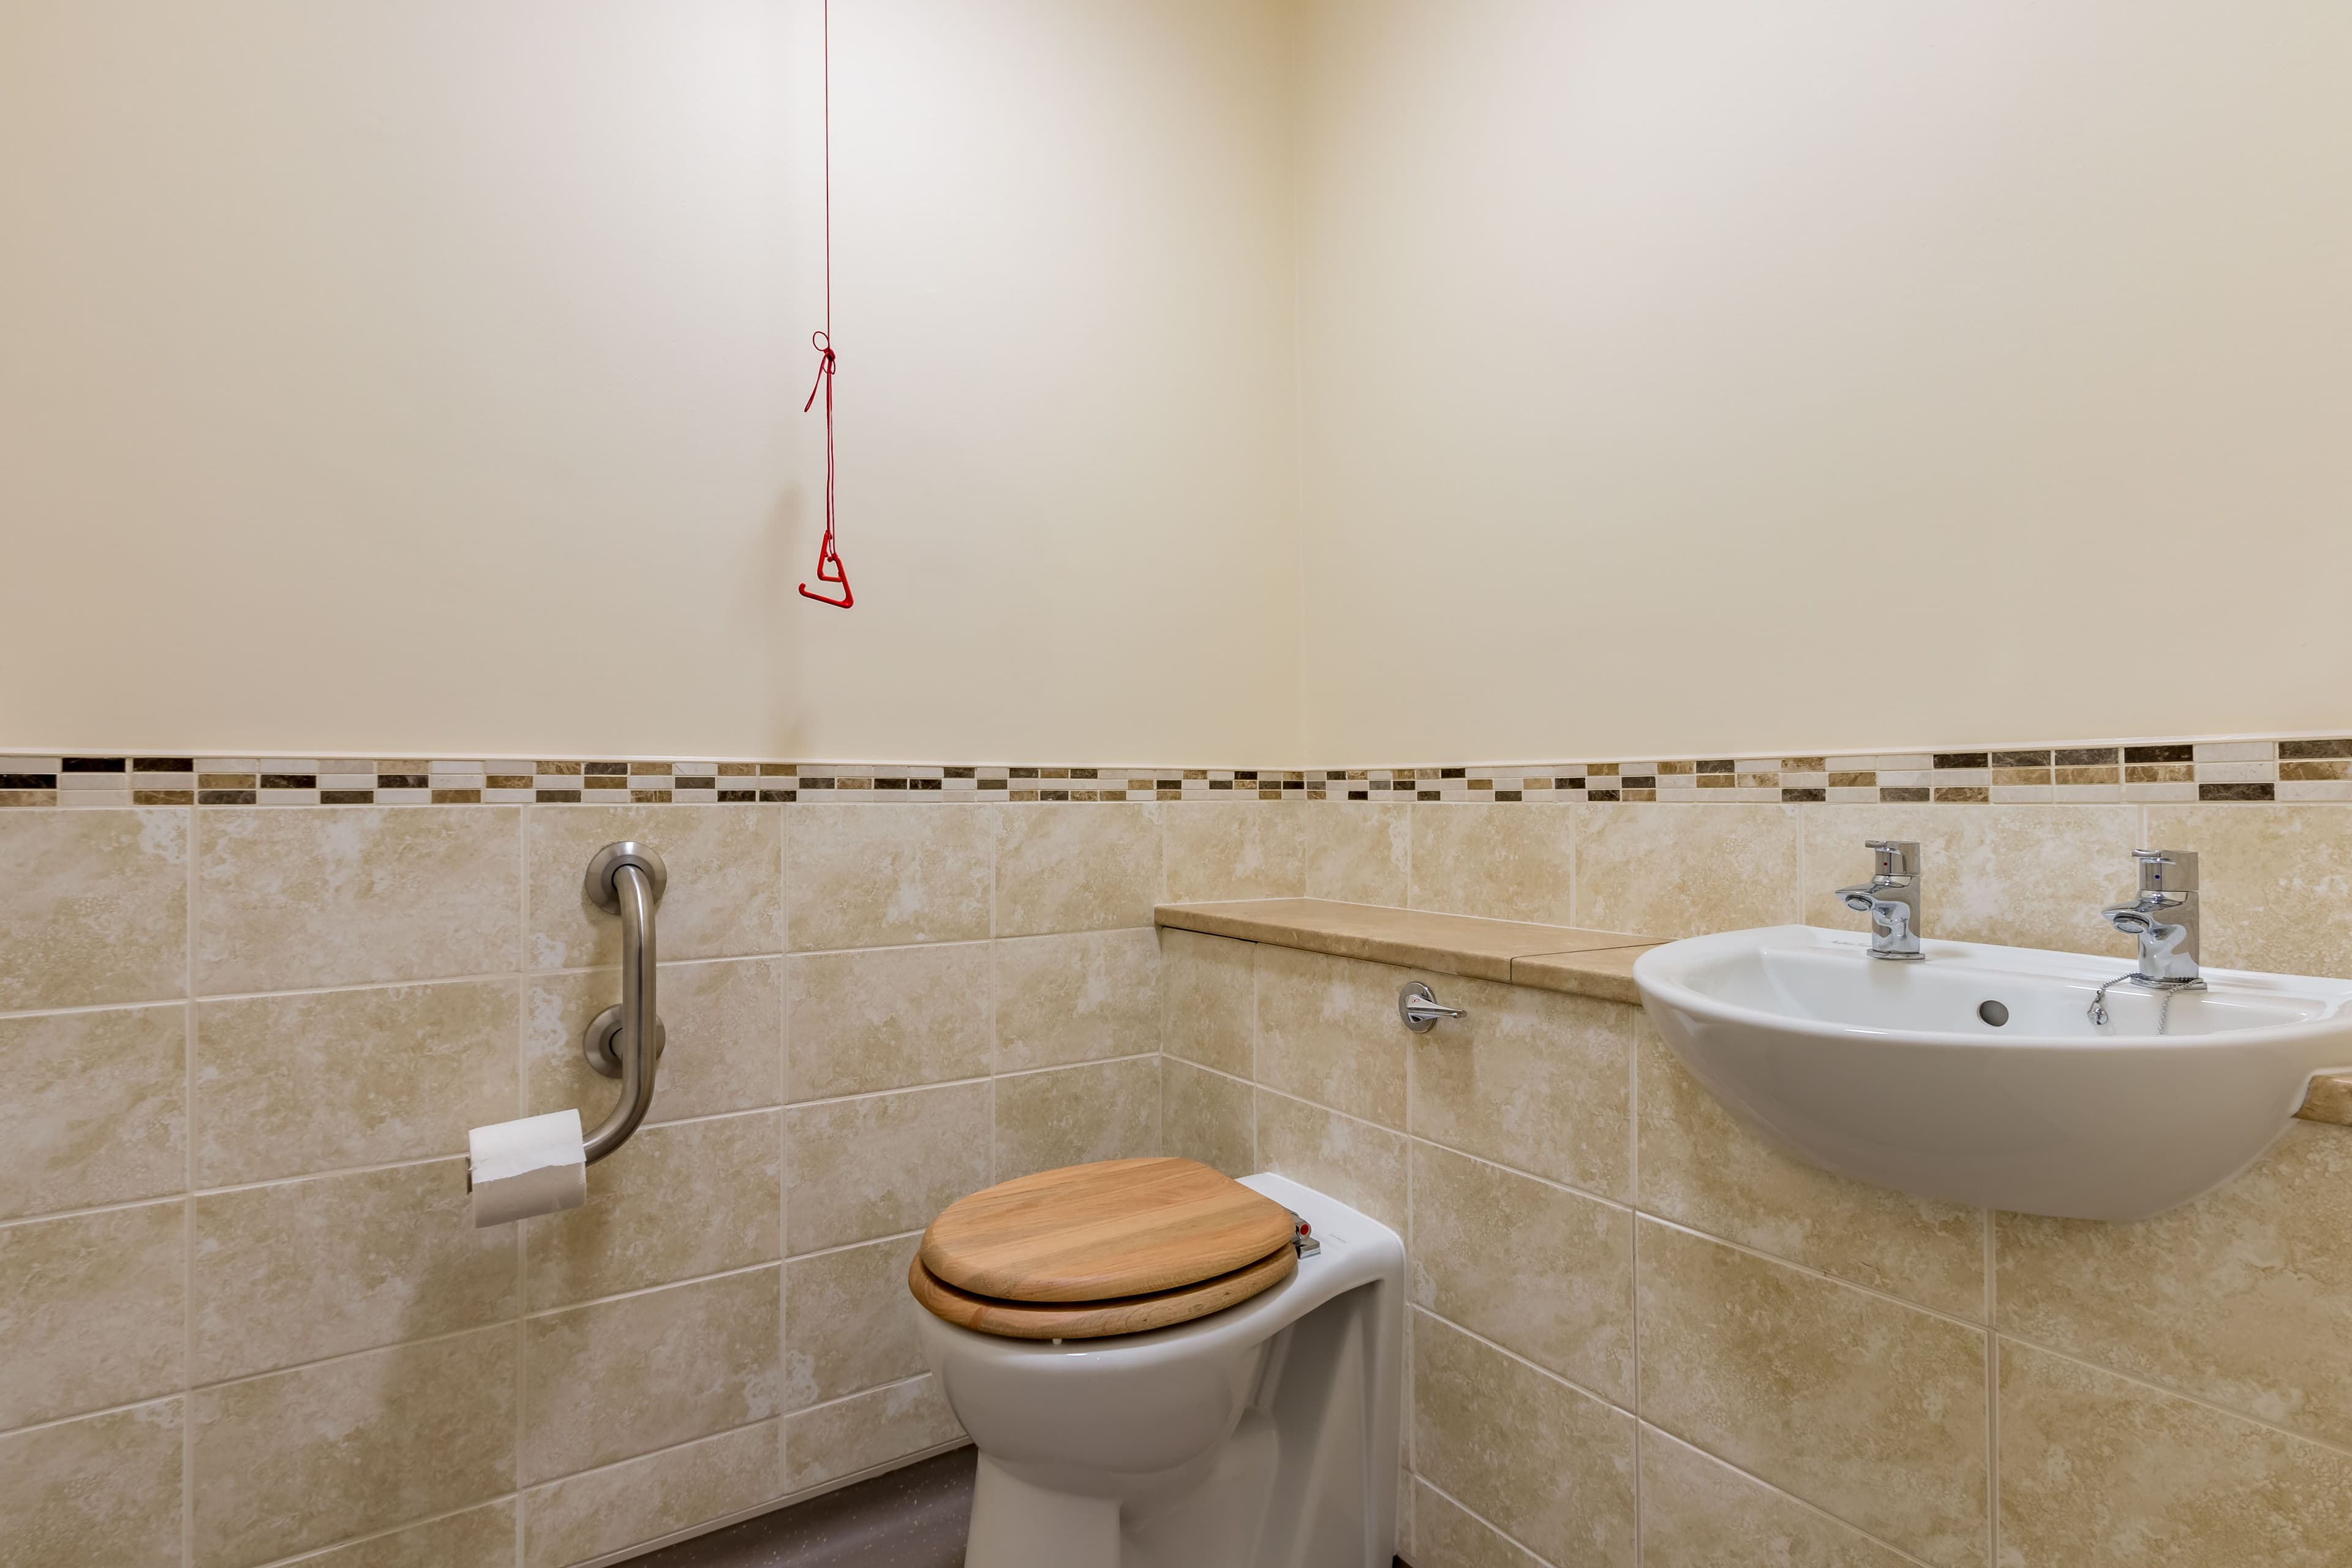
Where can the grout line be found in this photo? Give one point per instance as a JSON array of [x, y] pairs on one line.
[[1501, 1349], [1065, 1067], [783, 1080], [166, 1397], [1633, 1283], [587, 1302], [521, 1244], [1992, 1448], [1992, 1386], [723, 1432], [861, 1393], [853, 1246], [191, 1134], [2334, 1444], [1810, 1271], [523, 977], [515, 1322], [1812, 1508], [314, 1553], [409, 1164], [1483, 1520]]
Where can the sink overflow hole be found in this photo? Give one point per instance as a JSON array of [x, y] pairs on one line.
[[1994, 1013]]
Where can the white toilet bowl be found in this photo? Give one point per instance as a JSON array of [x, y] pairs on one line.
[[1264, 1435]]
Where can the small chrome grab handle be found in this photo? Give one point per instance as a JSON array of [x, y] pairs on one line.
[[628, 879], [1421, 1009]]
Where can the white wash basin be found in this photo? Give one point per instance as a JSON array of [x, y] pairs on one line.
[[1886, 1072]]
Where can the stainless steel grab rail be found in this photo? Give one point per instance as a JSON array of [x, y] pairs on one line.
[[625, 1041]]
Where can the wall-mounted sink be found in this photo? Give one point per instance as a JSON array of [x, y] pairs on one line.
[[1901, 1074]]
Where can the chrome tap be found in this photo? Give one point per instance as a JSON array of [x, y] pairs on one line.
[[2164, 918], [1891, 899]]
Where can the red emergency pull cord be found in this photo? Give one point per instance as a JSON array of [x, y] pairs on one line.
[[829, 568], [828, 555]]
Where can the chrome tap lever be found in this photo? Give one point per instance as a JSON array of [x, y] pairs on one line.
[[1891, 898], [2165, 918], [625, 1041]]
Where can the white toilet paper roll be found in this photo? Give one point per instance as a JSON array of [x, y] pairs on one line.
[[532, 1166]]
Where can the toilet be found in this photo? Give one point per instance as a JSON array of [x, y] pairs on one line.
[[1163, 1367]]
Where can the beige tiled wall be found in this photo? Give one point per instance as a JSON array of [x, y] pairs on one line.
[[244, 1317], [1641, 1337]]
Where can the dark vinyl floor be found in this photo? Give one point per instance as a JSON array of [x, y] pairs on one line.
[[914, 1518]]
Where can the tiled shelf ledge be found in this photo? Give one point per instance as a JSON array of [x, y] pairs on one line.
[[1597, 964]]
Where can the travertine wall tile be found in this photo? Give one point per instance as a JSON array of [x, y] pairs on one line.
[[865, 1430], [97, 909], [1699, 1512], [1532, 1079], [1702, 1167], [1543, 1272], [290, 1085], [1327, 1031], [1357, 1162], [2098, 1472], [1091, 865], [702, 1359], [351, 895], [1208, 1117], [677, 1202], [478, 1538], [1208, 1000], [1358, 851], [98, 1108], [856, 1170], [91, 1311], [1079, 997], [295, 1271], [1682, 871], [849, 1321], [105, 1488], [724, 1027], [1445, 1535], [1869, 1409], [1234, 849], [2276, 883], [1551, 1466], [305, 1458], [2024, 875], [588, 1515], [1505, 862], [2241, 1297], [724, 899], [886, 1018], [867, 876], [1069, 1116]]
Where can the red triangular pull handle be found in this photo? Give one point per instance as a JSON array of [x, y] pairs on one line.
[[830, 570]]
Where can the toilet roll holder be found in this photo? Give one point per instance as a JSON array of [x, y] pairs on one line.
[[625, 1041]]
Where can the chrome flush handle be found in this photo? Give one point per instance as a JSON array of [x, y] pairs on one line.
[[1421, 1009]]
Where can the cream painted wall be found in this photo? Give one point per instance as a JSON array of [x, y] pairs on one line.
[[1626, 377], [1714, 378], [425, 378]]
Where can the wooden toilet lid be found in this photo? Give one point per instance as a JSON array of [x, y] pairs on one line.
[[1102, 1233], [1099, 1320]]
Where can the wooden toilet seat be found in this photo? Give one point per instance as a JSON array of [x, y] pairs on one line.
[[1118, 1247]]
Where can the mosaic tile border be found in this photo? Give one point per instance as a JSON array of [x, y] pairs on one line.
[[2241, 771]]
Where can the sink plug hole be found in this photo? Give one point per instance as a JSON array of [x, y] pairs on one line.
[[1994, 1013]]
